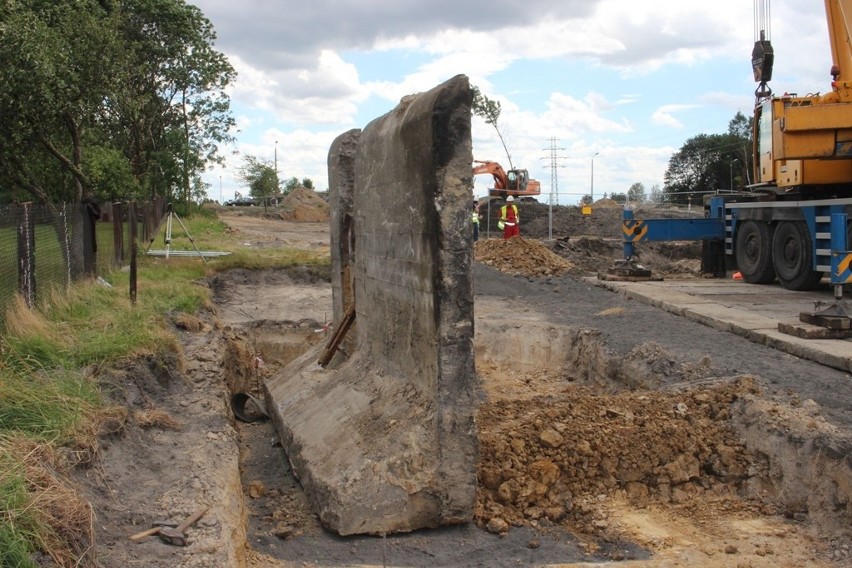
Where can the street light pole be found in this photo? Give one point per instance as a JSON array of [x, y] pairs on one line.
[[592, 189], [276, 158]]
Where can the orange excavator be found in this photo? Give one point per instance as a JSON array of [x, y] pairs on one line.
[[516, 183]]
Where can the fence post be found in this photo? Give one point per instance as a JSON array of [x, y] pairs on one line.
[[134, 248], [90, 213], [134, 222], [65, 245], [118, 233], [26, 254]]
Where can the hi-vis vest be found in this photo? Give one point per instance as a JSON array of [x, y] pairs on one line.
[[475, 217], [508, 221]]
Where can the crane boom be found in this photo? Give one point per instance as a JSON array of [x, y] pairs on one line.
[[839, 16]]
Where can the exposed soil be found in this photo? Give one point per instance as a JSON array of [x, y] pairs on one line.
[[630, 444]]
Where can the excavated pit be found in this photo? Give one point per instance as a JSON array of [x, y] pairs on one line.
[[576, 441], [576, 423]]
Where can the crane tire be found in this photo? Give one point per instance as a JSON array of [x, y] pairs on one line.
[[793, 256], [754, 252]]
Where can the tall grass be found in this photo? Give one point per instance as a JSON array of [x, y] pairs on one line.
[[46, 401], [19, 528]]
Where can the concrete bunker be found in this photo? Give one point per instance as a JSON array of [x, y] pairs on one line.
[[383, 438]]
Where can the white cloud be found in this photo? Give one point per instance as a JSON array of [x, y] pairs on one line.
[[307, 74], [665, 115], [326, 94]]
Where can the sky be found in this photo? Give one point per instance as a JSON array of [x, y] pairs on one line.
[[596, 95]]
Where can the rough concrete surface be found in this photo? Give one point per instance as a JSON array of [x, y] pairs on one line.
[[383, 440]]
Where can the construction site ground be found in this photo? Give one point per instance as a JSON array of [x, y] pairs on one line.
[[579, 462]]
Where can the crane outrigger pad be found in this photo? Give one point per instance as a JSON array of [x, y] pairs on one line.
[[835, 318], [833, 322], [627, 271], [813, 331]]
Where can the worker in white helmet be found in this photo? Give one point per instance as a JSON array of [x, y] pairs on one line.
[[509, 219]]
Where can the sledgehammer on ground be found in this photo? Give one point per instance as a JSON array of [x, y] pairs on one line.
[[177, 536], [169, 535]]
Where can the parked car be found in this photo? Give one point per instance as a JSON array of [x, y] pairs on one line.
[[241, 202]]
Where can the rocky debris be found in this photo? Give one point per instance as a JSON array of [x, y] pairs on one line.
[[591, 254], [520, 256], [554, 460], [593, 242]]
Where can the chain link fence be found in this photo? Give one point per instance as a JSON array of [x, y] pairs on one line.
[[46, 247]]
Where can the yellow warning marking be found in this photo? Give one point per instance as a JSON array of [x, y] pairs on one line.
[[634, 230], [843, 266]]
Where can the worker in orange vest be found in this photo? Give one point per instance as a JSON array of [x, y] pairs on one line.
[[509, 219]]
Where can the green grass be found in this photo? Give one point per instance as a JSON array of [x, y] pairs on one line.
[[45, 399], [210, 234], [19, 529], [45, 408]]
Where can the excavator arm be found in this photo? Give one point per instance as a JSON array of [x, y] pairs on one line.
[[494, 169], [514, 182]]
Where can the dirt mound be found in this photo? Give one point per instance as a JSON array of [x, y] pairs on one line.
[[521, 256], [554, 459], [304, 205], [589, 255], [606, 202]]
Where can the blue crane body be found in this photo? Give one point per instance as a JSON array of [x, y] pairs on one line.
[[793, 224], [826, 221]]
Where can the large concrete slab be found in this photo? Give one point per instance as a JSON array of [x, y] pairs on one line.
[[384, 439]]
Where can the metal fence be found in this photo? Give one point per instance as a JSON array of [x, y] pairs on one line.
[[540, 221], [44, 248]]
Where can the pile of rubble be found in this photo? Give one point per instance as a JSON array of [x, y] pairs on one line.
[[520, 256], [554, 459], [304, 205]]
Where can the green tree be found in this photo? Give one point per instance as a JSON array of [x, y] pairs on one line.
[[620, 198], [307, 183], [741, 127], [174, 113], [260, 177], [59, 66], [636, 193], [109, 174], [691, 169], [136, 79], [489, 110], [705, 163], [291, 184]]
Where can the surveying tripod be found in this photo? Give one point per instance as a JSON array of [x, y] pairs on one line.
[[167, 219]]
